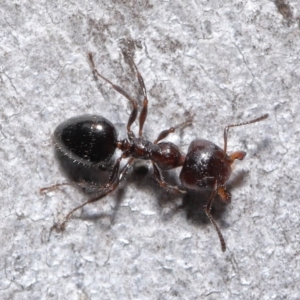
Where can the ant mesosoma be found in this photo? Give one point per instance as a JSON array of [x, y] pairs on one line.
[[92, 140]]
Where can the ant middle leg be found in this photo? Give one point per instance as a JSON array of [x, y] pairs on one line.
[[162, 183], [166, 132]]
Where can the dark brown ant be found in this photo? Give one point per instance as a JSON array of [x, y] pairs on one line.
[[92, 140]]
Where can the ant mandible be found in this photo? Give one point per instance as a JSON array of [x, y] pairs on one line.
[[92, 140]]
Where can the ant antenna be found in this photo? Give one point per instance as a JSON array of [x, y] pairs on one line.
[[263, 117]]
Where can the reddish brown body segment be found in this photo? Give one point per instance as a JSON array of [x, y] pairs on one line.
[[204, 164]]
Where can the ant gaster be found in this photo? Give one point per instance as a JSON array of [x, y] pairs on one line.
[[92, 140]]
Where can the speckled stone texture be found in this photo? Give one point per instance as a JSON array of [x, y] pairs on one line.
[[217, 61]]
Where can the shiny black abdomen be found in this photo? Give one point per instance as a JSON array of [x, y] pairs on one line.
[[87, 139]]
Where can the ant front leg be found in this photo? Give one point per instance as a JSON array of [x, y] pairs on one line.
[[115, 179], [207, 210]]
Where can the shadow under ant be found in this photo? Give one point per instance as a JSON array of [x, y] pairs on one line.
[[193, 202]]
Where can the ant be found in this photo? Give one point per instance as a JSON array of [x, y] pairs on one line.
[[92, 140]]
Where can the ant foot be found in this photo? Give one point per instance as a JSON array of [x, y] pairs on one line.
[[59, 227]]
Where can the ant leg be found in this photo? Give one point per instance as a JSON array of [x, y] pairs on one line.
[[263, 117], [144, 111], [160, 180], [56, 186], [207, 210], [53, 187], [166, 132], [133, 114], [116, 177]]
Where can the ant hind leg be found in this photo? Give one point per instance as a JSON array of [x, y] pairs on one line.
[[115, 179]]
